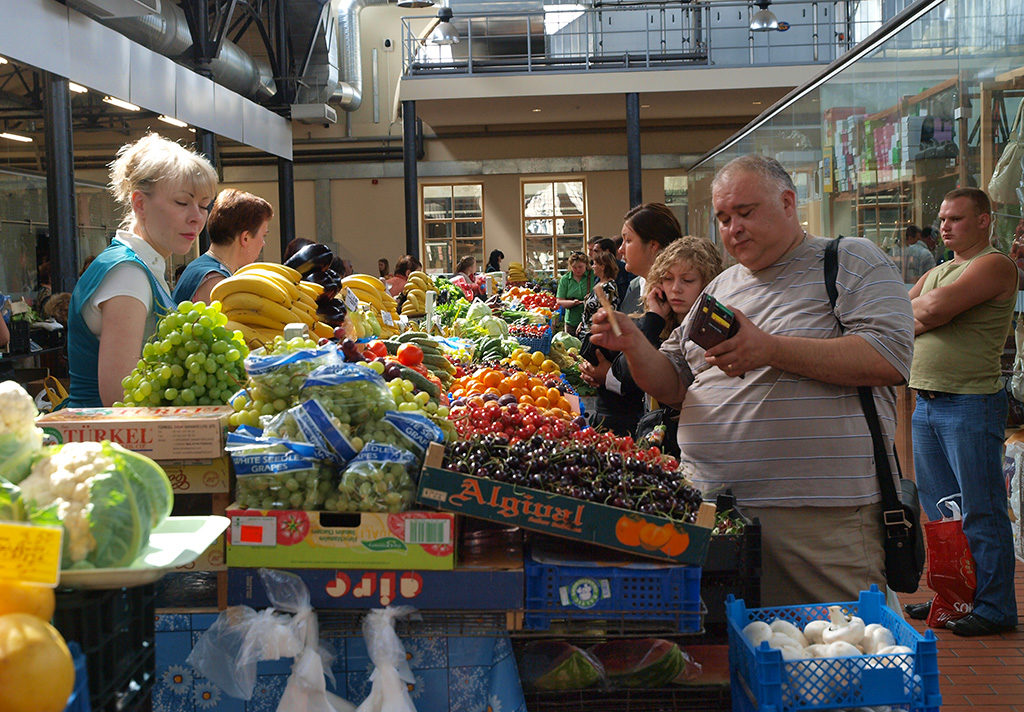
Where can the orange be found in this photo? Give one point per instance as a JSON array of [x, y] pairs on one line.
[[554, 395], [493, 391], [542, 402], [539, 392], [565, 405], [492, 379], [37, 673]]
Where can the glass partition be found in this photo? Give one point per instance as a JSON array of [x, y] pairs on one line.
[[924, 105]]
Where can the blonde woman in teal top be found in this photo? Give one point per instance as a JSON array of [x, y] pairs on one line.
[[165, 191]]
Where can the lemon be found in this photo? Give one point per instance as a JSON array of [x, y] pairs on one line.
[[22, 597], [36, 670]]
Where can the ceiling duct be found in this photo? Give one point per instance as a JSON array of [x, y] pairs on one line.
[[167, 32], [116, 8]]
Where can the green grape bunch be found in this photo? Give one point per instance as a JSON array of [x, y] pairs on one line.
[[302, 489], [276, 391], [193, 359]]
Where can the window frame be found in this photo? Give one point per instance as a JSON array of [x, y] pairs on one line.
[[559, 269], [452, 221]]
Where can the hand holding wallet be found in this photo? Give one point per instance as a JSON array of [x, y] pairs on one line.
[[713, 323]]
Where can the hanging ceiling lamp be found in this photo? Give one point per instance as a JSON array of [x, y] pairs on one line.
[[445, 33], [764, 20], [415, 3]]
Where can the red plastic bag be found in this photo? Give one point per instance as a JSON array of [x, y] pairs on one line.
[[951, 571]]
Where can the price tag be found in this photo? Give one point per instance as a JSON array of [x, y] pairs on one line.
[[30, 553], [385, 316], [351, 300]]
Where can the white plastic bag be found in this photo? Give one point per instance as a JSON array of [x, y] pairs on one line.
[[1017, 379], [392, 675], [227, 653]]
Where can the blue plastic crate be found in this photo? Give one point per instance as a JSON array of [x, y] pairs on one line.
[[79, 700], [668, 596], [762, 681], [535, 343]]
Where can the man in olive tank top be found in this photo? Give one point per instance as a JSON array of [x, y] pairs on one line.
[[962, 313]]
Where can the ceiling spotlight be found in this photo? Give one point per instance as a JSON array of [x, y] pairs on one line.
[[536, 109], [415, 3], [764, 20], [444, 33], [16, 137], [173, 121], [121, 103], [77, 88]]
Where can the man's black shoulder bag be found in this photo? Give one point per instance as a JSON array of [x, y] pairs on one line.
[[901, 518]]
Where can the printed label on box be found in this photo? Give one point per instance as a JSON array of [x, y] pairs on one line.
[[210, 477], [254, 531]]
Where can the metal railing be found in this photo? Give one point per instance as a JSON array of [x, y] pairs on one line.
[[642, 36]]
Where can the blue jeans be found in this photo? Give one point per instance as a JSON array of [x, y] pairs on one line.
[[958, 443]]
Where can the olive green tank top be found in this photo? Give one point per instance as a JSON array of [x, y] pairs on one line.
[[962, 356]]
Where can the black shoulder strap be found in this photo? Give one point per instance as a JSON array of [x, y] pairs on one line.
[[893, 509]]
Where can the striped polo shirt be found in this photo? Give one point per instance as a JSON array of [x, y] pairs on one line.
[[779, 439]]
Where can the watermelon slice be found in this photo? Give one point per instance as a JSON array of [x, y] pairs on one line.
[[640, 662], [558, 665]]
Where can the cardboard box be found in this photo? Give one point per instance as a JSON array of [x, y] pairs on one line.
[[655, 537], [185, 433], [202, 477], [298, 539], [459, 589]]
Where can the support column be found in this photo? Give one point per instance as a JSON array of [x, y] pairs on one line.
[[206, 144], [60, 184], [286, 201], [412, 202], [633, 149]]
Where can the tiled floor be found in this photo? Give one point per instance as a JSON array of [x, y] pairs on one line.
[[980, 674]]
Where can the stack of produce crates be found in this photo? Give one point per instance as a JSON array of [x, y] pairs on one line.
[[762, 681], [733, 565], [537, 343], [116, 630]]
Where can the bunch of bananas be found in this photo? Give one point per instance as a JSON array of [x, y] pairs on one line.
[[375, 302], [415, 292], [517, 273], [261, 298]]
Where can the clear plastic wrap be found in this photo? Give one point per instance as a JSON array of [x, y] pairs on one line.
[[277, 379], [278, 474], [227, 653], [353, 393], [379, 479], [309, 422], [410, 431], [391, 676]]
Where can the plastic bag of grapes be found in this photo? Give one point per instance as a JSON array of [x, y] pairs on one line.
[[276, 474], [309, 422], [276, 379], [352, 392], [378, 479], [410, 431]]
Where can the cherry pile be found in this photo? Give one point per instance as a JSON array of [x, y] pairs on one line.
[[577, 470]]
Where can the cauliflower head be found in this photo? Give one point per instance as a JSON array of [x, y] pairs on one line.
[[20, 439], [17, 409]]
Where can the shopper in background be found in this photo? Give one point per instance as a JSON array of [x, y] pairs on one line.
[[790, 438], [5, 333], [605, 269], [43, 286], [623, 277], [384, 268], [165, 191], [916, 257], [962, 314], [396, 282], [647, 230], [573, 288], [238, 227], [494, 261]]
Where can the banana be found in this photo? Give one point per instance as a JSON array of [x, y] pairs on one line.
[[288, 273], [366, 296], [285, 284], [254, 336], [421, 275], [306, 300], [312, 289], [250, 284], [371, 282], [304, 308], [242, 301], [302, 317], [322, 330], [255, 319]]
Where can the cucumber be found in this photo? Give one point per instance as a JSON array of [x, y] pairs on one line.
[[432, 362], [420, 382], [410, 335], [392, 345]]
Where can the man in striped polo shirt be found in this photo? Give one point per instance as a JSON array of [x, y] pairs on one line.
[[773, 412]]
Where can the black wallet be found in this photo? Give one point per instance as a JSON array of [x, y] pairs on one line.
[[713, 323]]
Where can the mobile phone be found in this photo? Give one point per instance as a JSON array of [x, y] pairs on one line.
[[713, 323]]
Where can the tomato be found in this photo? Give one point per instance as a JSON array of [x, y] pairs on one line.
[[377, 348], [410, 355]]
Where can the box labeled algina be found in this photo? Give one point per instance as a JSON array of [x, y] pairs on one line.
[[558, 515], [300, 539]]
